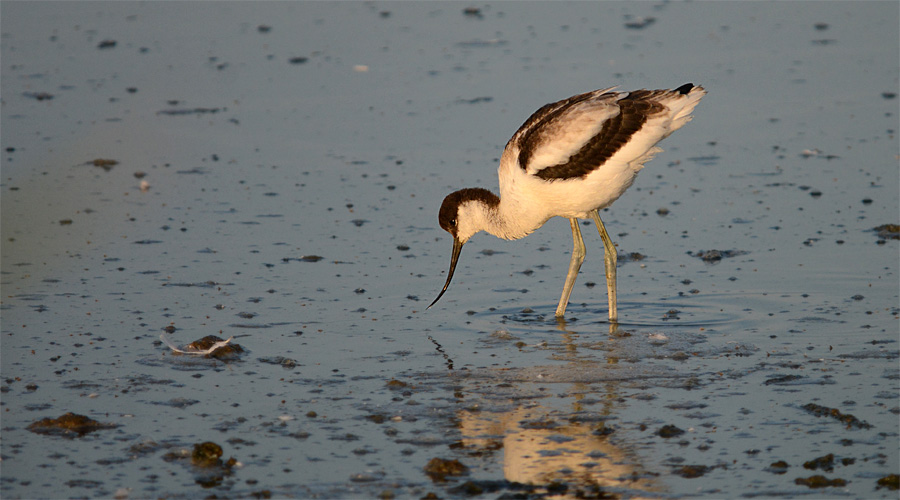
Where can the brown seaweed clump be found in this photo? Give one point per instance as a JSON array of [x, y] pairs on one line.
[[438, 469], [819, 481], [669, 431], [692, 471], [396, 384], [207, 454], [891, 482], [105, 164], [825, 463], [779, 467], [69, 425], [888, 231], [846, 418], [207, 465]]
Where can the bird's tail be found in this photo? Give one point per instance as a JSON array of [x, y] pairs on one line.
[[682, 102]]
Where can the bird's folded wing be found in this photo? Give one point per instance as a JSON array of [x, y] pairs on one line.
[[572, 138]]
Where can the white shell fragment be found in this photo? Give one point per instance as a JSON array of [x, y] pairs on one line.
[[211, 350]]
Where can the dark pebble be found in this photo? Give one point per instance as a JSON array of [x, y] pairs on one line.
[[691, 471], [669, 431]]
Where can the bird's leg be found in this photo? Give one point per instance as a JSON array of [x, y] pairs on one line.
[[574, 266], [609, 259]]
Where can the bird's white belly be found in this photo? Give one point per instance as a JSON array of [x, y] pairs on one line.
[[575, 198]]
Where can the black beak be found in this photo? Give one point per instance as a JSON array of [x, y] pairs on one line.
[[454, 257]]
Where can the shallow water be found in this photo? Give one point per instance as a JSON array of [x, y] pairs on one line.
[[295, 156]]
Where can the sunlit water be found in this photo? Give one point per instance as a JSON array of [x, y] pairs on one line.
[[295, 156]]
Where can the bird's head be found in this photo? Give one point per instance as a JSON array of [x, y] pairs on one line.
[[462, 214]]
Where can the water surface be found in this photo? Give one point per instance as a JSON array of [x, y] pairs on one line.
[[278, 170]]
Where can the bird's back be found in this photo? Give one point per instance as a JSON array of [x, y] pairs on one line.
[[601, 138], [574, 136]]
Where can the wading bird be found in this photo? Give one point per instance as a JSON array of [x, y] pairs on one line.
[[570, 159]]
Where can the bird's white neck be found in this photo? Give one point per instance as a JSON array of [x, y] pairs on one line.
[[505, 218]]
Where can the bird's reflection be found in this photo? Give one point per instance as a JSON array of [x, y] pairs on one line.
[[571, 444]]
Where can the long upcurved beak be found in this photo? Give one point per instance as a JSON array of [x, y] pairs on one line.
[[454, 257]]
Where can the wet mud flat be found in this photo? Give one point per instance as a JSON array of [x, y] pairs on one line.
[[218, 241], [637, 413]]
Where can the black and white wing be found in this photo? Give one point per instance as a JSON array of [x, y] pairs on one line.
[[573, 137]]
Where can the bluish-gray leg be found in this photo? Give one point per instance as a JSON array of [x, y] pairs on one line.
[[574, 265], [609, 259]]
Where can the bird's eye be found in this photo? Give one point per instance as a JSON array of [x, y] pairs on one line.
[[452, 222]]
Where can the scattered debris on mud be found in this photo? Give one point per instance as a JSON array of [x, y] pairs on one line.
[[825, 463], [714, 256], [206, 460], [69, 425], [891, 482], [819, 481], [438, 469], [779, 467], [670, 431], [104, 163], [850, 420], [692, 471], [888, 231], [209, 346]]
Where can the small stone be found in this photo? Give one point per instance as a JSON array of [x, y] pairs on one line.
[[669, 431], [819, 481], [206, 454], [891, 482], [438, 469]]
